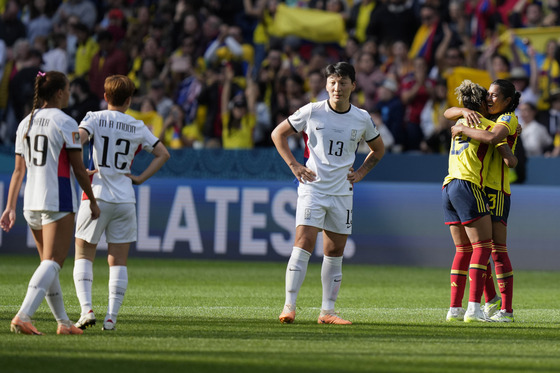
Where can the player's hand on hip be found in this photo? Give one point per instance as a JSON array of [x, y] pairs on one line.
[[303, 174], [94, 208]]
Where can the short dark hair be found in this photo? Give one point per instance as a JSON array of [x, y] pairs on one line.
[[342, 69]]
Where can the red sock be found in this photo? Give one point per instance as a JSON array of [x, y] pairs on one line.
[[504, 274], [459, 272], [489, 287], [477, 269]]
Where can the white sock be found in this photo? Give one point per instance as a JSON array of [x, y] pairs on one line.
[[83, 280], [118, 281], [55, 300], [41, 280], [295, 273], [331, 276]]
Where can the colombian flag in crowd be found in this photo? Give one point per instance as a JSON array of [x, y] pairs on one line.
[[309, 24]]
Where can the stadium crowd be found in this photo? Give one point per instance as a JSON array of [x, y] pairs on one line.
[[212, 73]]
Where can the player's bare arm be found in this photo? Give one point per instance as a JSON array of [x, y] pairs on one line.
[[161, 155], [471, 116], [509, 158], [280, 139], [377, 151], [498, 133], [77, 163], [9, 216]]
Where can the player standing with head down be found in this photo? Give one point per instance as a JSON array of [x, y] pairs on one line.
[[48, 148], [115, 138], [332, 131]]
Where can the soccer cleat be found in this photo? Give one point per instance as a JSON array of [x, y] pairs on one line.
[[331, 317], [288, 314], [19, 326], [493, 307], [66, 327], [109, 325], [455, 314], [503, 316], [86, 321], [476, 316]]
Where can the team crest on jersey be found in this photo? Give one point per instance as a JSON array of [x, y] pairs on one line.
[[353, 135], [76, 137]]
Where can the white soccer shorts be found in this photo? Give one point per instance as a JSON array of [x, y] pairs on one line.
[[117, 220], [330, 213]]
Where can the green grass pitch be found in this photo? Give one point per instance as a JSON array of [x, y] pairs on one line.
[[217, 316]]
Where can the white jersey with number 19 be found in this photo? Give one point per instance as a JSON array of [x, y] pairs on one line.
[[332, 141], [115, 138], [51, 184]]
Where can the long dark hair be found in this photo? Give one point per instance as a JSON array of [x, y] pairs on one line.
[[508, 90], [46, 86]]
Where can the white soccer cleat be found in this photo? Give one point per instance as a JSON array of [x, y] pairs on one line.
[[493, 307], [503, 316], [86, 321], [476, 316], [109, 325], [455, 314]]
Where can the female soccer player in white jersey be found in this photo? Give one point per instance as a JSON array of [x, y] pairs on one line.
[[48, 147], [115, 138], [332, 130]]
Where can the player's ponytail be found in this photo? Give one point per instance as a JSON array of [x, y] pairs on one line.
[[46, 86]]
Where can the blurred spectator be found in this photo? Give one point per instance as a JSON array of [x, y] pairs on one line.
[[158, 95], [536, 138], [116, 24], [109, 60], [397, 65], [238, 114], [40, 19], [210, 100], [11, 27], [148, 114], [56, 59], [526, 14], [416, 89], [391, 110], [22, 85], [428, 36], [551, 120], [359, 19], [386, 135], [392, 21], [263, 11], [82, 100], [87, 48], [435, 128], [83, 9], [368, 78], [316, 82]]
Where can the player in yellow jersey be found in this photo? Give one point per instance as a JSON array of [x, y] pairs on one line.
[[503, 100]]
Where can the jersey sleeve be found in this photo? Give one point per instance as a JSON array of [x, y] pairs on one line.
[[298, 120], [510, 121], [371, 132], [149, 140], [87, 123], [70, 133]]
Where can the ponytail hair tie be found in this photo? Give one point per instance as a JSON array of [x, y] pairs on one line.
[[39, 73]]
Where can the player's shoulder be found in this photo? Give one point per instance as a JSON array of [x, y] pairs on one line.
[[61, 117]]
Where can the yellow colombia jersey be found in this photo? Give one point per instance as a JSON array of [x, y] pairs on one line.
[[498, 172], [468, 158], [238, 138]]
